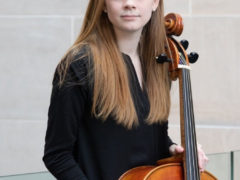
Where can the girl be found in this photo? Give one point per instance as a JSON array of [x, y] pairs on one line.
[[110, 99]]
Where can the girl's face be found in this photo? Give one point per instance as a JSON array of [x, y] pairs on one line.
[[130, 15]]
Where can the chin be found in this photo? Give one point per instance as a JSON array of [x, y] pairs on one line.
[[132, 29]]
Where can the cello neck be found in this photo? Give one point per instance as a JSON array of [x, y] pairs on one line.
[[188, 133], [180, 69]]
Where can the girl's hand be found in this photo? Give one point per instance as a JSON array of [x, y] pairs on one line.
[[202, 158]]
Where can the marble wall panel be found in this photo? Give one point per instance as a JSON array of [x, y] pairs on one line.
[[21, 147], [216, 7], [43, 7], [214, 139], [30, 51], [215, 79], [77, 26], [176, 6]]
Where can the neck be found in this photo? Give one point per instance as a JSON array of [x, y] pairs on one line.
[[128, 42]]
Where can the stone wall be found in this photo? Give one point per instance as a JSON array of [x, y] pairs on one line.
[[36, 34]]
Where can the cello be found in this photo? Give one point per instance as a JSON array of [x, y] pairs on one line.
[[184, 166]]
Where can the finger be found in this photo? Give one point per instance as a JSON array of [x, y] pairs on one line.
[[202, 159], [175, 149], [200, 162], [201, 170], [179, 149]]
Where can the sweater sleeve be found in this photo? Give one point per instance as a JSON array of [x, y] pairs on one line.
[[166, 140], [66, 108], [170, 142]]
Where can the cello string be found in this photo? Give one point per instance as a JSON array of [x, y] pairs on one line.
[[186, 131], [188, 128], [189, 166], [187, 141], [189, 119], [193, 128], [193, 131], [194, 147], [191, 124]]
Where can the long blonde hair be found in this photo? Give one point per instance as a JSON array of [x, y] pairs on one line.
[[111, 91]]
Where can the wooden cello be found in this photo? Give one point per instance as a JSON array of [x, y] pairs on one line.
[[185, 166]]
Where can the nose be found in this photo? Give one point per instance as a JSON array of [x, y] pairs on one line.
[[129, 4]]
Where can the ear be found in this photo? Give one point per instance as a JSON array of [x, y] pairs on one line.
[[105, 8], [155, 5]]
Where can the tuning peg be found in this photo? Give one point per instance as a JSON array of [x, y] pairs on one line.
[[163, 58], [184, 43], [193, 57]]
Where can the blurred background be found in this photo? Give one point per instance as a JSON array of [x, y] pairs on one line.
[[34, 35]]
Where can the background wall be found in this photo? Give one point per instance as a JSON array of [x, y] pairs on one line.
[[34, 35]]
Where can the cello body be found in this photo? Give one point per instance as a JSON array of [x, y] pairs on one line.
[[184, 166], [169, 170]]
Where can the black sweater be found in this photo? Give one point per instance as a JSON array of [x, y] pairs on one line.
[[79, 146]]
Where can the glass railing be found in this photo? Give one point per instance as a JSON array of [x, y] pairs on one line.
[[30, 176], [224, 166], [220, 165], [236, 165]]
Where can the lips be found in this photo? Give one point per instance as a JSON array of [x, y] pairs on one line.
[[130, 17]]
